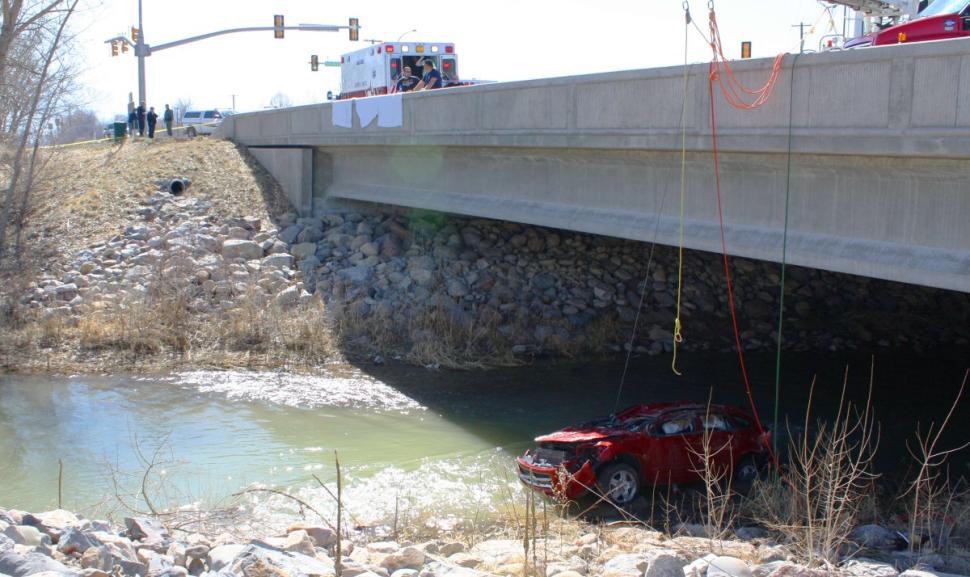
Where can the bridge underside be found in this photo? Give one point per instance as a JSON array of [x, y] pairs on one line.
[[841, 208]]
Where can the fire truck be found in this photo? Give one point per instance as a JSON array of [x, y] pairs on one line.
[[887, 22], [375, 70]]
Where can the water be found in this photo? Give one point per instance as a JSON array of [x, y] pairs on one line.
[[437, 441]]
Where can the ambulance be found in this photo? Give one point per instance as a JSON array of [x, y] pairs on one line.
[[374, 70]]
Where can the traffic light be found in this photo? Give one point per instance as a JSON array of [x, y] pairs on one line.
[[278, 26], [135, 35], [746, 49], [314, 63], [355, 29], [124, 47], [114, 47]]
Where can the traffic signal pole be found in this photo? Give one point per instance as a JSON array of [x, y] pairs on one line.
[[140, 53], [144, 50]]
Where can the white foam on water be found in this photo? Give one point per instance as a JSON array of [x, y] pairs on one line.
[[345, 387]]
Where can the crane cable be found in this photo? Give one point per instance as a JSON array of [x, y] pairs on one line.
[[678, 335]]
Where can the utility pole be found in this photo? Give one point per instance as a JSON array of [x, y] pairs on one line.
[[801, 36], [233, 102]]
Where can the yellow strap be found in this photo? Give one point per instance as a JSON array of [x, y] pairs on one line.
[[110, 138], [678, 336]]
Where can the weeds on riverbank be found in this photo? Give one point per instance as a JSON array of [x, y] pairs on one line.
[[174, 323]]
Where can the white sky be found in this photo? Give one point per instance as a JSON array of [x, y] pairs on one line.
[[494, 39]]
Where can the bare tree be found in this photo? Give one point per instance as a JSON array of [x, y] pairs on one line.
[[280, 100], [32, 124], [182, 105], [19, 16]]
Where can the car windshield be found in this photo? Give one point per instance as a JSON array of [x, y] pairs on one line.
[[940, 7], [611, 421]]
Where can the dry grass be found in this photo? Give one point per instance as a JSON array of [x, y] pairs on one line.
[[90, 192]]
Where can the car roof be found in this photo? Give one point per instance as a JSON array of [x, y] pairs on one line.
[[660, 409]]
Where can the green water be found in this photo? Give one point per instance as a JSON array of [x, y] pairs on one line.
[[435, 440]]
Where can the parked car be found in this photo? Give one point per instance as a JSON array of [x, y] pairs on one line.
[[654, 444], [203, 121]]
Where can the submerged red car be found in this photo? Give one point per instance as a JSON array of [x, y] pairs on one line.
[[654, 444]]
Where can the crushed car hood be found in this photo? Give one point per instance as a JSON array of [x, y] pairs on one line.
[[577, 436]]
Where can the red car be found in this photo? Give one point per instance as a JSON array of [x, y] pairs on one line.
[[940, 20], [655, 444]]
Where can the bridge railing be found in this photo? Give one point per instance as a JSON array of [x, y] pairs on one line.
[[900, 100]]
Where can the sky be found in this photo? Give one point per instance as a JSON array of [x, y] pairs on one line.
[[498, 40]]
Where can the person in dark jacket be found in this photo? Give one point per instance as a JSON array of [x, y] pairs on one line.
[[431, 78], [169, 118], [152, 121], [406, 82], [141, 119], [132, 122]]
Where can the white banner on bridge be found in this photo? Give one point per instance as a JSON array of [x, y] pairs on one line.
[[391, 113], [342, 113]]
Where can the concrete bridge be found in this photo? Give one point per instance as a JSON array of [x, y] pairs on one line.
[[880, 164]]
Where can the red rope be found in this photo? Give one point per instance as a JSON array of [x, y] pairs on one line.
[[734, 89], [727, 268]]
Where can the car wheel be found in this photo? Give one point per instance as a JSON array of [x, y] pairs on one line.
[[746, 472], [618, 482], [190, 132]]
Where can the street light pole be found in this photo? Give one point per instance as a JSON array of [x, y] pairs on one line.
[[405, 34], [140, 53]]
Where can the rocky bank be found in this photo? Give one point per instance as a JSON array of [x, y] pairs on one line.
[[430, 288], [60, 543]]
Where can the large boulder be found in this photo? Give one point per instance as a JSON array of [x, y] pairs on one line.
[[302, 250], [56, 520], [238, 248], [259, 561], [724, 566], [406, 558], [18, 565], [868, 568], [223, 556], [73, 541], [357, 275], [281, 260], [289, 234], [145, 529], [654, 563], [26, 535], [873, 537], [322, 536]]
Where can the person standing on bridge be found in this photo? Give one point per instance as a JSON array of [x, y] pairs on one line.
[[431, 79], [407, 81], [152, 121], [168, 117], [140, 111]]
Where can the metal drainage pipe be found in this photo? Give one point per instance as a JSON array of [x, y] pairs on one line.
[[177, 186]]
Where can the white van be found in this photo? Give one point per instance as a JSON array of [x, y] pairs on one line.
[[203, 121]]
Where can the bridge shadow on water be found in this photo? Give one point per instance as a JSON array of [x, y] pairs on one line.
[[508, 407]]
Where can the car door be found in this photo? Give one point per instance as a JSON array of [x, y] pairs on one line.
[[667, 458], [717, 442]]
